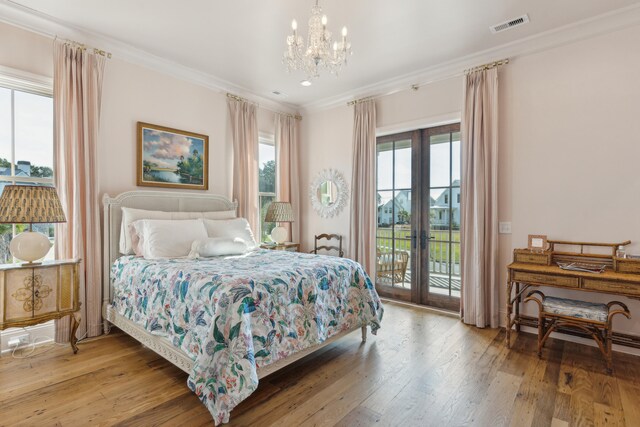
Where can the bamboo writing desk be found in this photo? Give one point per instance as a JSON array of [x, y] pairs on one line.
[[529, 269]]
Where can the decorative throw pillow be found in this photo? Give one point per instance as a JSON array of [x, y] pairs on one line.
[[218, 246], [137, 237], [238, 227]]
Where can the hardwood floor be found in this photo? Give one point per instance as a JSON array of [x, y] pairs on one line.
[[422, 369]]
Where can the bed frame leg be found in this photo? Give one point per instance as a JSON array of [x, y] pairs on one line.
[[105, 327], [364, 334]]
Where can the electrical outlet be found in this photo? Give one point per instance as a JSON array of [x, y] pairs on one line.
[[18, 341], [504, 228]]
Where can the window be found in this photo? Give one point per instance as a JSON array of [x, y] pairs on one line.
[[446, 199], [266, 183], [458, 198], [26, 152]]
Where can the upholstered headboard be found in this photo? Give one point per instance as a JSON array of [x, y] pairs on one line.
[[149, 200]]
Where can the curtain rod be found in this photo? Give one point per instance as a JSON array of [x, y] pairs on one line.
[[85, 47], [416, 86], [239, 98], [358, 101], [488, 66]]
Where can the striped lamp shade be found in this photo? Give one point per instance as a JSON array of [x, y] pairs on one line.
[[279, 212], [28, 204]]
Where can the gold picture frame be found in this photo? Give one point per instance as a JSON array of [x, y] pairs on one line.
[[171, 158], [537, 243]]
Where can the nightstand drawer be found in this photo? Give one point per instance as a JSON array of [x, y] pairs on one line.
[[548, 279]]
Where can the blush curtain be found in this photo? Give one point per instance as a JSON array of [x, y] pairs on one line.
[[244, 136], [77, 92], [288, 177], [362, 230], [479, 304]]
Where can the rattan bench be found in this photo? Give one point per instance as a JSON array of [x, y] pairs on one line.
[[592, 318]]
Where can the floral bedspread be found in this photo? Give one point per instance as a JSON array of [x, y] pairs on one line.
[[234, 314]]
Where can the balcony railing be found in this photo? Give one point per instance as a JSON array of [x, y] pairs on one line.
[[444, 256]]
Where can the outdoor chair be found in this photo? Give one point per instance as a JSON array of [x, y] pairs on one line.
[[391, 267]]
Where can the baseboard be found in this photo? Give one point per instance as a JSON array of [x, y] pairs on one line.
[[422, 307], [44, 333]]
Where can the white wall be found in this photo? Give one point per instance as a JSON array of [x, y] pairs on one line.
[[569, 149], [327, 143], [569, 153], [132, 93]]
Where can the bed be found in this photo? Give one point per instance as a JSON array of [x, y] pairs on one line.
[[229, 321]]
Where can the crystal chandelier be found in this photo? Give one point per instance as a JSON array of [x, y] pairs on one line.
[[320, 52]]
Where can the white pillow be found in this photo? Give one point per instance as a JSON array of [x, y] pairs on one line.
[[217, 246], [165, 238], [130, 215], [238, 227]]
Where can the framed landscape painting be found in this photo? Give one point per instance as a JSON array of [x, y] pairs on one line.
[[172, 158]]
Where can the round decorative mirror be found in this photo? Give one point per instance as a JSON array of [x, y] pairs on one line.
[[329, 193]]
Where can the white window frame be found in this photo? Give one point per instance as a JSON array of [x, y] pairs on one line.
[[23, 81], [267, 139]]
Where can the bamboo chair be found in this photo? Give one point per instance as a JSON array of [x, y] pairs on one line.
[[594, 319], [391, 267]]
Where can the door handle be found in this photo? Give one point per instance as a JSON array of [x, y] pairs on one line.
[[423, 240], [414, 237]]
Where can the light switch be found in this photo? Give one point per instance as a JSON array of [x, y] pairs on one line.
[[505, 228]]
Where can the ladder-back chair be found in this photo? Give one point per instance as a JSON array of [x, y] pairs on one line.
[[327, 246]]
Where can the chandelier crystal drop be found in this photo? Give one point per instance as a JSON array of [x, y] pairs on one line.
[[320, 53]]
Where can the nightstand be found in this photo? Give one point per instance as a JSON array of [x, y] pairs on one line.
[[287, 246], [36, 293]]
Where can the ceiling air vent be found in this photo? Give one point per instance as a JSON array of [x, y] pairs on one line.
[[507, 25]]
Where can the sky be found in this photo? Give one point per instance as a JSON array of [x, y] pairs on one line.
[[33, 127], [266, 152]]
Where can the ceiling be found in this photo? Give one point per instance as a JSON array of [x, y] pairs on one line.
[[242, 41]]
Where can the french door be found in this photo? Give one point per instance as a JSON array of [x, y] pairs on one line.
[[418, 234]]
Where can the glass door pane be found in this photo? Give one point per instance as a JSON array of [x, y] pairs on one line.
[[443, 258], [394, 212]]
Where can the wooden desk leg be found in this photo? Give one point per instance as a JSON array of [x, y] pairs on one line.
[[518, 300], [75, 322], [509, 310]]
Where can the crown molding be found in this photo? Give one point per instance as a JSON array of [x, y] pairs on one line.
[[571, 33], [48, 26]]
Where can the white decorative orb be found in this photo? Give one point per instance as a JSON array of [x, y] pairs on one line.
[[279, 235], [29, 246]]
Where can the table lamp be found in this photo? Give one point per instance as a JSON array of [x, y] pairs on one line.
[[279, 212], [30, 204]]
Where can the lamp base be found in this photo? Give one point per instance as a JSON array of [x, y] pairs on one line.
[[29, 246], [279, 235]]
